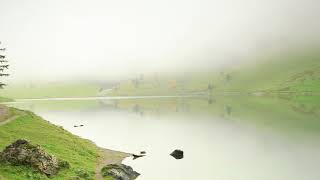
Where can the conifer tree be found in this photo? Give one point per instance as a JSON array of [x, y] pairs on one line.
[[4, 65]]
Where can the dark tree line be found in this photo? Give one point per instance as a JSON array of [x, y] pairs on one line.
[[4, 66]]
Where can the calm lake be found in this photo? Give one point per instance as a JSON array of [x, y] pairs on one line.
[[223, 138]]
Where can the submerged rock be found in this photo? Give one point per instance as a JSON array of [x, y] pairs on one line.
[[81, 125], [177, 154], [142, 152], [22, 152], [119, 172]]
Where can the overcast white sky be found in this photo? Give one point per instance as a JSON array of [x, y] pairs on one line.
[[113, 39]]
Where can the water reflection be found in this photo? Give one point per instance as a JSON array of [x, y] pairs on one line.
[[225, 138]]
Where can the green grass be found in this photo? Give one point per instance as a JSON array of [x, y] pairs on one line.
[[273, 72], [297, 71], [305, 81], [3, 99], [50, 90], [81, 154]]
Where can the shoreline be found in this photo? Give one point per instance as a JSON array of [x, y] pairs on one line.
[[101, 158], [107, 157]]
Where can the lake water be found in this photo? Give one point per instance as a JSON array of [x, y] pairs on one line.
[[223, 138]]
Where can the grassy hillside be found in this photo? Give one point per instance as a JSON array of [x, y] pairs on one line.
[[275, 72], [298, 72], [2, 99], [307, 80], [47, 90], [81, 154]]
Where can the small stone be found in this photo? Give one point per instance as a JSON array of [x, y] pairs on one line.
[[177, 154], [142, 152]]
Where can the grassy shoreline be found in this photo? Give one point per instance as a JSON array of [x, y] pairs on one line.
[[83, 155]]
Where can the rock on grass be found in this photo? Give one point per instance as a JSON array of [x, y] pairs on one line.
[[23, 153]]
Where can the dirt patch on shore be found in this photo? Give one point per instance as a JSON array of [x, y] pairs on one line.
[[4, 113], [109, 157]]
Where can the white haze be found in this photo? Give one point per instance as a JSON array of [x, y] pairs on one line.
[[105, 39]]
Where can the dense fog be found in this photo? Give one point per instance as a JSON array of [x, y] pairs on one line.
[[103, 39]]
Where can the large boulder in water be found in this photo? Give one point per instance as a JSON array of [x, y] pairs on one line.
[[119, 172], [22, 152], [177, 154]]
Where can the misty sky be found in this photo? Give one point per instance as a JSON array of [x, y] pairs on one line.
[[112, 39]]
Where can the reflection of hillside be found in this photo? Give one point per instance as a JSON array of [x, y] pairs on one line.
[[153, 106], [294, 114], [270, 113]]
